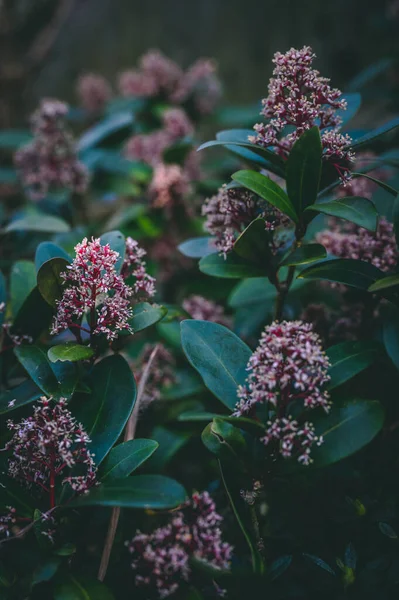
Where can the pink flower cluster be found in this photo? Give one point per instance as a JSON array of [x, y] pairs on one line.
[[94, 92], [45, 445], [169, 185], [49, 163], [347, 240], [231, 210], [202, 309], [162, 373], [95, 286], [288, 366], [335, 326], [158, 75], [161, 558], [300, 98]]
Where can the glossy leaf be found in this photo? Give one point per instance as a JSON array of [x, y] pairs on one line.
[[126, 458], [117, 242], [372, 135], [22, 394], [350, 358], [231, 267], [257, 290], [250, 425], [105, 412], [305, 254], [218, 355], [197, 247], [49, 280], [39, 223], [254, 244], [140, 491], [303, 170], [224, 440], [145, 315], [347, 429], [384, 283], [385, 186], [37, 306], [107, 127], [23, 280], [360, 211], [355, 273], [70, 351], [73, 587], [48, 250], [267, 189]]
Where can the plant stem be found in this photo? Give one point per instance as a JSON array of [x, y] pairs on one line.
[[130, 432]]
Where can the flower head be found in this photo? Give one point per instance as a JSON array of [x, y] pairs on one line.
[[347, 240], [169, 186], [47, 444], [288, 366], [94, 92], [161, 559], [202, 309], [96, 286], [201, 83], [50, 162], [300, 98], [231, 210]]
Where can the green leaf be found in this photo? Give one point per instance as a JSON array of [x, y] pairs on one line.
[[382, 184], [303, 170], [46, 570], [49, 280], [23, 280], [126, 458], [360, 211], [105, 412], [12, 494], [372, 135], [115, 123], [170, 442], [11, 139], [355, 273], [71, 587], [42, 223], [267, 189], [218, 355], [347, 429], [22, 394], [8, 176], [254, 427], [350, 358], [257, 290], [145, 315], [384, 283], [44, 374], [70, 351], [154, 492], [231, 267], [224, 440], [117, 242], [197, 247], [305, 254], [391, 334], [48, 250], [254, 244], [37, 306]]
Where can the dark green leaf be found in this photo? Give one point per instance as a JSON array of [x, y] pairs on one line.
[[303, 170], [350, 358], [48, 250], [42, 223], [8, 176], [355, 273], [319, 562], [224, 440], [105, 412], [354, 102], [145, 315], [126, 458], [231, 267], [382, 184], [384, 283], [71, 587], [254, 244], [347, 429], [24, 393], [267, 189], [218, 355], [70, 351], [197, 247], [37, 306], [372, 135], [12, 494], [360, 211], [257, 290], [23, 280], [140, 491], [49, 280], [117, 242], [107, 127], [244, 423], [11, 139], [170, 441], [391, 335], [304, 255], [46, 570], [279, 566], [387, 530]]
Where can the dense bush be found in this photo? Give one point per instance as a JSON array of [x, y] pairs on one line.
[[169, 430]]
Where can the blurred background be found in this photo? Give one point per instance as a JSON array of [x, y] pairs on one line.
[[46, 44]]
